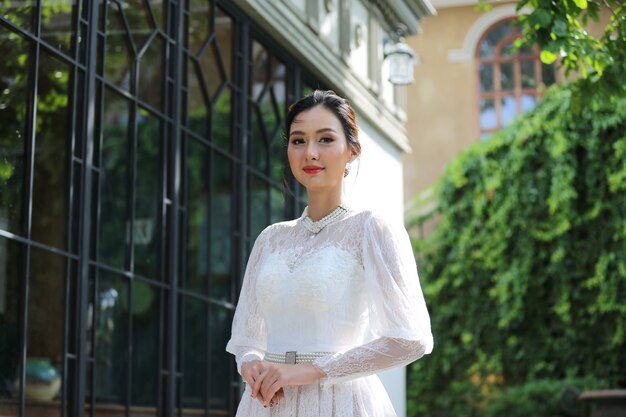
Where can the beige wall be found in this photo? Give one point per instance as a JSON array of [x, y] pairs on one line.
[[442, 104]]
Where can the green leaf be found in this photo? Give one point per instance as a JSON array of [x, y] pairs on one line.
[[6, 171], [548, 57], [560, 28], [582, 4], [542, 17]]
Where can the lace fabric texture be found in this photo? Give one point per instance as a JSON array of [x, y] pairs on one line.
[[352, 289]]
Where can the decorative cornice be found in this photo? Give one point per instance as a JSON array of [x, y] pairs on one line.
[[442, 4], [408, 13]]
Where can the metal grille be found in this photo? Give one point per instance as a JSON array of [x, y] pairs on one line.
[[141, 153]]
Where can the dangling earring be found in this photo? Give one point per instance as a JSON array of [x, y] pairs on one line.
[[346, 172]]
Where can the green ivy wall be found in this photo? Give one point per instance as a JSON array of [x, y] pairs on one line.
[[525, 276]]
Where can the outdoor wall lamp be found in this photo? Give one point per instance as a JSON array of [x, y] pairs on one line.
[[401, 58]]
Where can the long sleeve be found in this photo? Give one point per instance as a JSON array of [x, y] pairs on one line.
[[398, 317], [248, 337]]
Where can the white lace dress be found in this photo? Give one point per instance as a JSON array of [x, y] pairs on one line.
[[352, 290]]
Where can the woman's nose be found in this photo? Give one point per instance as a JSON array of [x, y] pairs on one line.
[[311, 151]]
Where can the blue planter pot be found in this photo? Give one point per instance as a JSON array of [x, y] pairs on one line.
[[43, 381]]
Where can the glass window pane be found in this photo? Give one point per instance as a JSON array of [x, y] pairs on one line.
[[509, 110], [200, 17], [224, 35], [528, 102], [279, 158], [46, 312], [526, 49], [159, 11], [194, 355], [488, 119], [268, 109], [13, 98], [57, 23], [279, 104], [21, 13], [197, 100], [507, 79], [547, 74], [139, 19], [488, 45], [114, 181], [260, 69], [221, 361], [211, 68], [198, 190], [222, 120], [111, 339], [11, 276], [270, 95], [307, 89], [118, 53], [145, 363], [259, 215], [278, 205], [529, 79], [50, 185], [279, 88], [151, 78], [508, 50], [258, 147], [221, 228], [486, 77], [146, 233]]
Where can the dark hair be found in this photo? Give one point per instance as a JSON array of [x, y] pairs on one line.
[[339, 106]]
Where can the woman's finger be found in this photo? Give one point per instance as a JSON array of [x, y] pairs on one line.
[[257, 384], [270, 386], [249, 371], [272, 392]]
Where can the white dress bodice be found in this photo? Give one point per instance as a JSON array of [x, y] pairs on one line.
[[315, 304]]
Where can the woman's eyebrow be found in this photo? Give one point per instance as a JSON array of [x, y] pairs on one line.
[[323, 130]]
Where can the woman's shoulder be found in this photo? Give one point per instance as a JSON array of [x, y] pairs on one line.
[[371, 218], [277, 227], [380, 227]]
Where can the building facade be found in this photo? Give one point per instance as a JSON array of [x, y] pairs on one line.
[[141, 153], [470, 82]]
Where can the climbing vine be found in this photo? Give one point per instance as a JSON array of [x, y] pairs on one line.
[[525, 275]]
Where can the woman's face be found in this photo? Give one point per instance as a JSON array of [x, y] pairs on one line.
[[317, 149]]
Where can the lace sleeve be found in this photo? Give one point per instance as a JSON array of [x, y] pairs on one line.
[[399, 319], [248, 337]]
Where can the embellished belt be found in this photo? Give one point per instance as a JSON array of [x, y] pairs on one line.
[[294, 357]]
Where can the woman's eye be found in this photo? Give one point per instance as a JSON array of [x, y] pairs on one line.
[[326, 140], [297, 141]]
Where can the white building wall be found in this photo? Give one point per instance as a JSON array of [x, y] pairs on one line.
[[376, 178], [375, 182]]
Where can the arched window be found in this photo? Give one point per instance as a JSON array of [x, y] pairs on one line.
[[510, 81]]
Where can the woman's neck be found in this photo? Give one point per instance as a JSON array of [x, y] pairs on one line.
[[320, 205]]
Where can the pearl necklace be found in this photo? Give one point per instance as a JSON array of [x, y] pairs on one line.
[[316, 227]]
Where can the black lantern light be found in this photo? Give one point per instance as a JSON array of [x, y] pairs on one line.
[[401, 58]]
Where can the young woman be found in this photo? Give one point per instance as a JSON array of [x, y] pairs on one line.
[[331, 298]]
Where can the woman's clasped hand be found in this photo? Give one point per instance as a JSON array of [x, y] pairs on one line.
[[267, 380]]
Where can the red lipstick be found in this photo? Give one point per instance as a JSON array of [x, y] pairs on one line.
[[312, 169]]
